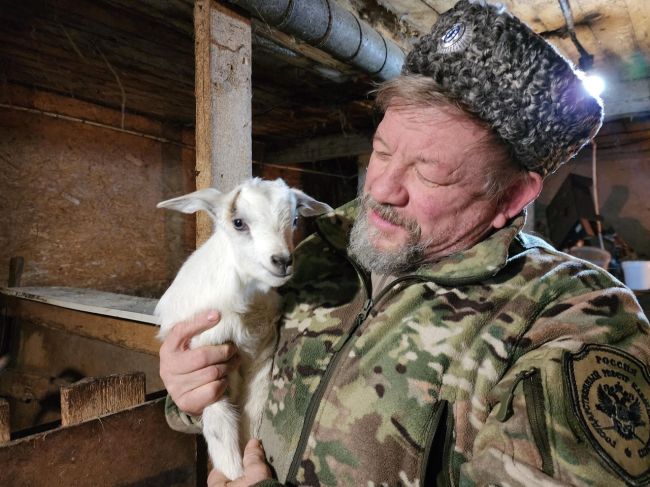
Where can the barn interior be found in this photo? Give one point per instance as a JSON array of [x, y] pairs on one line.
[[109, 106]]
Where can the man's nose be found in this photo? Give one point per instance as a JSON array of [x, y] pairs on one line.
[[385, 183]]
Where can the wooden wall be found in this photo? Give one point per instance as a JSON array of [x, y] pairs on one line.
[[78, 202], [623, 161]]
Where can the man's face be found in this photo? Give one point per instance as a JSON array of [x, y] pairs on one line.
[[421, 198]]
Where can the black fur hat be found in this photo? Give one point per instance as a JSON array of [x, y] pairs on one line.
[[502, 72]]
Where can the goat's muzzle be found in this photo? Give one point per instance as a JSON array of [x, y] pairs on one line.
[[282, 263]]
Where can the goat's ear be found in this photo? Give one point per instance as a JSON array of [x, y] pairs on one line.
[[204, 199], [308, 206]]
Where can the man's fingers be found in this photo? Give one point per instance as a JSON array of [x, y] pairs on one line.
[[184, 331], [202, 357], [208, 374], [218, 479], [254, 461], [255, 468], [196, 400], [253, 452]]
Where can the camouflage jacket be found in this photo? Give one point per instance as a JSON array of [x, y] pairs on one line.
[[509, 363]]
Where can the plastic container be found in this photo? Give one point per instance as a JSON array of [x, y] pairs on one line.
[[637, 274], [595, 255]]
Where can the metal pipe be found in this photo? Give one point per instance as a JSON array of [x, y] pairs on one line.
[[327, 26], [586, 60]]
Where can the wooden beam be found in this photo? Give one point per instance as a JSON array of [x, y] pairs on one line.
[[626, 98], [322, 148], [133, 447], [223, 100], [5, 421], [98, 396], [131, 335]]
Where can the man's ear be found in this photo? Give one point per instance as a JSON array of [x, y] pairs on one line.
[[519, 195], [205, 199]]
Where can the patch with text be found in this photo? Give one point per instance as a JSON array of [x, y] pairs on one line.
[[610, 392]]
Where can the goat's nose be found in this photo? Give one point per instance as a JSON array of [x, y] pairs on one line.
[[281, 261]]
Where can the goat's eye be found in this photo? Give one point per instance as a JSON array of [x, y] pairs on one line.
[[239, 224], [295, 221]]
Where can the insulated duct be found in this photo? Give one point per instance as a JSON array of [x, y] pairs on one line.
[[327, 26]]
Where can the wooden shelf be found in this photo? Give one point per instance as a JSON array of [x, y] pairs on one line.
[[125, 321], [131, 308]]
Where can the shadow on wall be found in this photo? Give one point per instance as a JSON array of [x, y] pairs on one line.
[[630, 229]]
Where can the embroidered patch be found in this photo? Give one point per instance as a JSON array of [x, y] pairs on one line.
[[611, 397], [456, 39]]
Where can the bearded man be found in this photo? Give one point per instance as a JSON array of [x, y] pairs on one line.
[[425, 338]]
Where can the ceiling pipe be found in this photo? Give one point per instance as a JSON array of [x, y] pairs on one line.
[[586, 60], [326, 25]]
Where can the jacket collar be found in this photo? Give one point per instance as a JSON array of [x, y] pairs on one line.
[[483, 260]]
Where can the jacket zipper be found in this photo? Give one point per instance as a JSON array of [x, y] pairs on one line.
[[535, 409], [447, 456], [331, 367], [506, 410], [440, 412]]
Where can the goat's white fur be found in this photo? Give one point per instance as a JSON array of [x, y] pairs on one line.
[[233, 272]]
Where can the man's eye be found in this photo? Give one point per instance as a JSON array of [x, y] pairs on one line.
[[425, 180], [239, 224]]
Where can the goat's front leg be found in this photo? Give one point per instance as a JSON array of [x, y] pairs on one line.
[[257, 391], [221, 432]]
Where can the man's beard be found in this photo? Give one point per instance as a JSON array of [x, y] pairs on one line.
[[397, 261]]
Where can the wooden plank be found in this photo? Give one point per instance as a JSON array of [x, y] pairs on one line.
[[626, 98], [323, 148], [639, 15], [124, 306], [613, 32], [223, 101], [418, 13], [97, 396], [126, 334], [5, 421], [133, 447]]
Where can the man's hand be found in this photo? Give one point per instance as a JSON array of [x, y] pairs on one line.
[[255, 468], [195, 378]]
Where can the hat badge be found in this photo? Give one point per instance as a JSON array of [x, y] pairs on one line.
[[455, 39]]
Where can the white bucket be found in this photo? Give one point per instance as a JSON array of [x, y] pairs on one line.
[[637, 274]]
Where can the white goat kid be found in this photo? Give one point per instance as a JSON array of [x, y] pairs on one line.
[[235, 272]]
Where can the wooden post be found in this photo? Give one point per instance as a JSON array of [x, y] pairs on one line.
[[223, 101], [16, 266], [5, 421], [93, 397]]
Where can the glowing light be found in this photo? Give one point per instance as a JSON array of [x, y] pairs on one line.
[[594, 84]]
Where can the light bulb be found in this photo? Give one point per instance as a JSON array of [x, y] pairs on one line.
[[594, 84]]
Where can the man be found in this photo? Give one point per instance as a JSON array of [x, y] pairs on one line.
[[425, 339]]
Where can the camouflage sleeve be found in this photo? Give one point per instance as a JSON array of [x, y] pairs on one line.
[[180, 421], [575, 410], [268, 483]]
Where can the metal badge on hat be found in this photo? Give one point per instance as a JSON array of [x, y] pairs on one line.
[[456, 39]]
